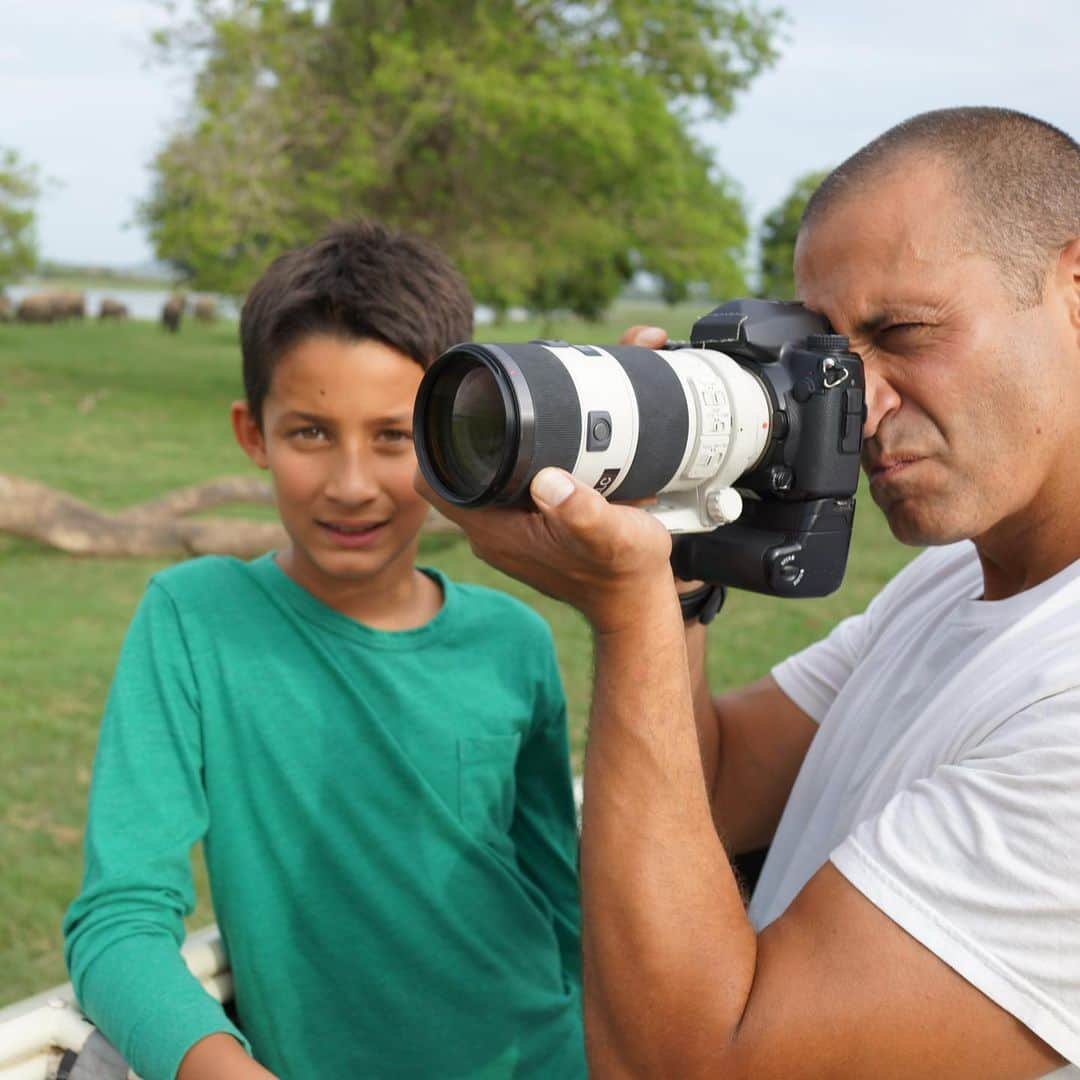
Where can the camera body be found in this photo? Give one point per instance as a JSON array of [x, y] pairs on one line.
[[754, 425], [794, 531]]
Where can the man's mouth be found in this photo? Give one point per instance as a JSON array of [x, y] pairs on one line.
[[889, 465]]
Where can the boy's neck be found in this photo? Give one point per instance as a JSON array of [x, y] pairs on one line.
[[401, 601]]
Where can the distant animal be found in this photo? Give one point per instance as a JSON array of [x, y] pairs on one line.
[[37, 308], [5, 309], [204, 309], [48, 307], [69, 304], [112, 309], [172, 312]]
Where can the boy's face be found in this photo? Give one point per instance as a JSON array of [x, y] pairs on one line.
[[337, 439]]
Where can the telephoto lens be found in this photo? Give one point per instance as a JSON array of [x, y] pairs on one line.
[[682, 424]]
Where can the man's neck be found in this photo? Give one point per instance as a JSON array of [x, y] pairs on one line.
[[1022, 552]]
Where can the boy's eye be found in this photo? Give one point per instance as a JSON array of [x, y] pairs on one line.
[[395, 435], [309, 433]]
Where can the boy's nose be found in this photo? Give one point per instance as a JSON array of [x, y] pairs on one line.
[[351, 480]]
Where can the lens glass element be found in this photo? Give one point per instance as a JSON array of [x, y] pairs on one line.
[[471, 415]]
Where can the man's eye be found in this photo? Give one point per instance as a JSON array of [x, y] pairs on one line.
[[395, 435]]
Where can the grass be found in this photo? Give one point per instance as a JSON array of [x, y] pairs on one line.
[[118, 413]]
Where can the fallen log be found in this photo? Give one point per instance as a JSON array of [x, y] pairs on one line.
[[161, 527]]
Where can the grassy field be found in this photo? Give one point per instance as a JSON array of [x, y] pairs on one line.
[[116, 414]]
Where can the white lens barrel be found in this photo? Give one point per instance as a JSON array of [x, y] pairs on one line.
[[730, 418], [603, 388], [728, 412]]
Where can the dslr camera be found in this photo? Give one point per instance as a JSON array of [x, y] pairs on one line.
[[748, 435]]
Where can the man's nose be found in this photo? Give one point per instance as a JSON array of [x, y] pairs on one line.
[[352, 479], [882, 397]]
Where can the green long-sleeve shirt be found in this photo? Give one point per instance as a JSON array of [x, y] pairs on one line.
[[388, 824]]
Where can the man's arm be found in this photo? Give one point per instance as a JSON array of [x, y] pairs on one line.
[[752, 742], [676, 981]]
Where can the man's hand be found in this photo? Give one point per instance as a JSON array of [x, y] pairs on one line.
[[608, 561], [649, 337]]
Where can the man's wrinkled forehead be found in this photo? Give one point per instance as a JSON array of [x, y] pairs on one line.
[[907, 213]]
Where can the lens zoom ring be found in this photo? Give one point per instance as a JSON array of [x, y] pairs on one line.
[[663, 421], [556, 426]]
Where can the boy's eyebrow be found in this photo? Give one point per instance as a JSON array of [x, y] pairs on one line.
[[298, 414], [316, 418]]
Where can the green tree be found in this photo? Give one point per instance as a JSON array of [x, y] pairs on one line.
[[779, 231], [19, 190], [544, 144]]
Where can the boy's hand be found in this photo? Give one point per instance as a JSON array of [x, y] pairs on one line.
[[220, 1057]]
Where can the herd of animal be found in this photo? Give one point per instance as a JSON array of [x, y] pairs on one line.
[[60, 305]]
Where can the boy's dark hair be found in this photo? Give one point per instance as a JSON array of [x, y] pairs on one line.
[[359, 281], [1018, 179]]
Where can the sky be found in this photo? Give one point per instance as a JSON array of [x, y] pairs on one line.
[[81, 97]]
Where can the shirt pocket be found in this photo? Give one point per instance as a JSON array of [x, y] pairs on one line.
[[486, 784]]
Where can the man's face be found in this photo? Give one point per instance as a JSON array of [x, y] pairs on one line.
[[337, 439], [970, 400]]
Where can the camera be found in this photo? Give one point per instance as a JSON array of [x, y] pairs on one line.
[[748, 435]]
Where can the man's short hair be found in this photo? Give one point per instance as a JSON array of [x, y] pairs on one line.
[[360, 281], [1018, 178]]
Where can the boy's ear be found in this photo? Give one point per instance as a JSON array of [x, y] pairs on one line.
[[249, 437]]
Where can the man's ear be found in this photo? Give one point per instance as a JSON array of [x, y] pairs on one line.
[[249, 436], [1069, 275]]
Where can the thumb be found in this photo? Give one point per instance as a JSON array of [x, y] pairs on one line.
[[568, 505], [551, 487]]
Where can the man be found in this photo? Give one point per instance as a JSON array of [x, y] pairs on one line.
[[917, 773]]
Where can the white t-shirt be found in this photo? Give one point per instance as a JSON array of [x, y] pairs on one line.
[[944, 780]]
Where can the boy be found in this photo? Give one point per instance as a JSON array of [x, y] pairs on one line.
[[374, 757]]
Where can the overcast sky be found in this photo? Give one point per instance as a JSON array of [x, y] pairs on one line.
[[79, 97]]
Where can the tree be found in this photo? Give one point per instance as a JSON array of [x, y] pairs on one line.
[[544, 144], [779, 231], [19, 190]]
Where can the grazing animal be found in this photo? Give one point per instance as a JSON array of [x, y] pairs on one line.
[[112, 309], [204, 309], [172, 312], [36, 308]]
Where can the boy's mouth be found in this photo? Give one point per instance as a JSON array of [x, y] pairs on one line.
[[351, 532]]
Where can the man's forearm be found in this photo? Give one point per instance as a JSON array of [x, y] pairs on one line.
[[667, 946], [706, 719]]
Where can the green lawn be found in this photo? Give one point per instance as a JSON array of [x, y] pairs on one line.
[[116, 414]]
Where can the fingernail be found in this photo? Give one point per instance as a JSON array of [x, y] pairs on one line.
[[552, 487], [652, 336]]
